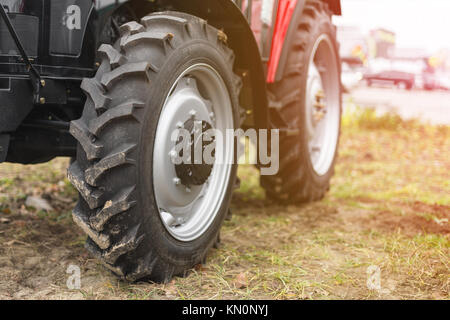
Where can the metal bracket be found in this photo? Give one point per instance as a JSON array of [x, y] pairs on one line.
[[35, 77]]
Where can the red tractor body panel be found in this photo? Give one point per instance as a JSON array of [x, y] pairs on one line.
[[285, 11]]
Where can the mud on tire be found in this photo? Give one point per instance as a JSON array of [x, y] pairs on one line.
[[113, 171]]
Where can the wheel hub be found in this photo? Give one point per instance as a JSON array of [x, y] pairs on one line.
[[193, 172]]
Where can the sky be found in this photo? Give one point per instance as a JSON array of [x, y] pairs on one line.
[[417, 23]]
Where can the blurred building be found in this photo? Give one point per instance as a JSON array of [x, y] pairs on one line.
[[381, 43], [353, 43]]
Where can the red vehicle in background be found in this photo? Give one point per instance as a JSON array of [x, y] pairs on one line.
[[399, 79]]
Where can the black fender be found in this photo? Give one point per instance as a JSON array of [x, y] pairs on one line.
[[226, 16], [335, 8]]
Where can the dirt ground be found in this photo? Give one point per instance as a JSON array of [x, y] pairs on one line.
[[388, 210]]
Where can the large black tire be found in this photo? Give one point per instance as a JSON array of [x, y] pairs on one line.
[[113, 171], [296, 181]]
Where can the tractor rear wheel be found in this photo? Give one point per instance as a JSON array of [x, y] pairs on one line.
[[307, 102], [145, 215]]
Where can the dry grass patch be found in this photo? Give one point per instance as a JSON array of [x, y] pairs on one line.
[[389, 206]]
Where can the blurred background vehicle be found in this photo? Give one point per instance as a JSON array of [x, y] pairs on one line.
[[400, 79], [377, 56]]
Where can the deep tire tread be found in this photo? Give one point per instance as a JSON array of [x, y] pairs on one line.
[[96, 92], [119, 204], [113, 160], [124, 111], [87, 140], [92, 196], [136, 68], [114, 57]]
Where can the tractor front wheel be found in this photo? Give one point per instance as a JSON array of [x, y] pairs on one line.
[[146, 215]]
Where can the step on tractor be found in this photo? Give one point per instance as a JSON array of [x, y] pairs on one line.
[[108, 82]]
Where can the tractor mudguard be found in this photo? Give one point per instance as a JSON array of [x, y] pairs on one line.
[[227, 16]]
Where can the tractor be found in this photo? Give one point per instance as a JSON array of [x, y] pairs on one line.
[[108, 82]]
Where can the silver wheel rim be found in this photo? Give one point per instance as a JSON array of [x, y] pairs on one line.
[[187, 212], [323, 105]]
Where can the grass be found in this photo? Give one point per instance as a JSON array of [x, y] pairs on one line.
[[388, 206]]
